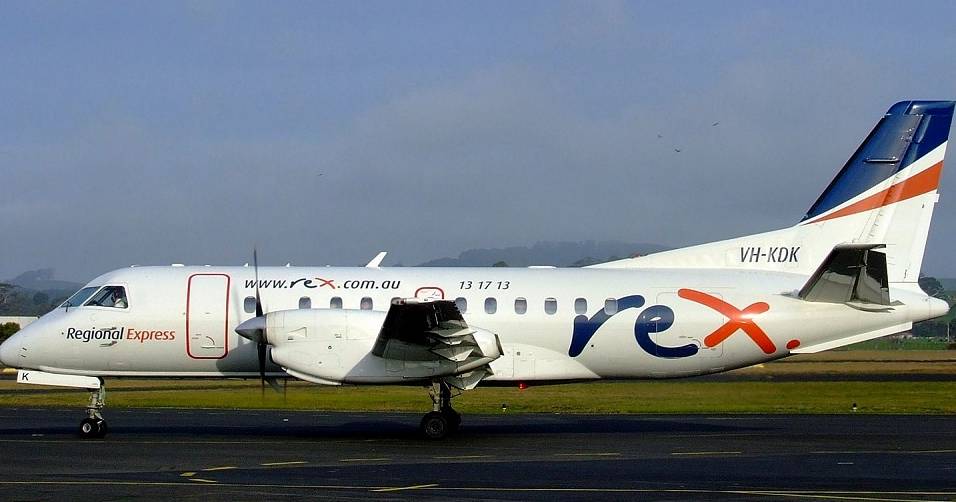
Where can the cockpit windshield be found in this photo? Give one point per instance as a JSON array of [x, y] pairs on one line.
[[79, 297], [109, 296]]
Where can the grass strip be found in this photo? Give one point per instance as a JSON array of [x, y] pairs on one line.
[[600, 397]]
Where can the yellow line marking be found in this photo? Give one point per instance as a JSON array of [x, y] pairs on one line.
[[415, 487], [609, 454], [188, 474], [296, 462], [201, 480], [222, 468], [363, 459], [453, 457], [706, 452]]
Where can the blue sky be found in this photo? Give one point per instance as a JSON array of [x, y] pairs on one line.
[[161, 132]]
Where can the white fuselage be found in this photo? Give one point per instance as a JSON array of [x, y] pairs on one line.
[[180, 321]]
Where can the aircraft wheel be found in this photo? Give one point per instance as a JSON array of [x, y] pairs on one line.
[[454, 419], [435, 425], [101, 428], [89, 428]]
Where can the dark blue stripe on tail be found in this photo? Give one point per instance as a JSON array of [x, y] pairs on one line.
[[909, 130]]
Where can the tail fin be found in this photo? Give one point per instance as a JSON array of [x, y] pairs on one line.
[[884, 194], [889, 186]]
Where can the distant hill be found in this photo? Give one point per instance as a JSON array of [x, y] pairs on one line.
[[34, 293], [559, 254], [948, 284], [42, 280]]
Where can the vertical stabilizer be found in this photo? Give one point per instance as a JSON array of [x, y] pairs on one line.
[[884, 195], [890, 184]]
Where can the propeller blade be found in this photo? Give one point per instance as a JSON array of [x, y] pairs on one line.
[[261, 342], [262, 366], [255, 268]]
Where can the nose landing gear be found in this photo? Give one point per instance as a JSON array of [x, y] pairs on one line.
[[94, 425], [443, 419]]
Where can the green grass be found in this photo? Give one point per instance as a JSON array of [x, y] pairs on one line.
[[686, 396], [905, 344], [806, 386]]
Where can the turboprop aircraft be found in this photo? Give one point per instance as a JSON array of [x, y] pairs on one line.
[[845, 273]]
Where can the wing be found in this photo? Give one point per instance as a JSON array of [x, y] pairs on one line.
[[417, 331]]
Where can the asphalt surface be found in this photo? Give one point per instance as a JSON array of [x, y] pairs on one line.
[[268, 455]]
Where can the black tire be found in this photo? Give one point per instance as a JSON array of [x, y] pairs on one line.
[[102, 428], [454, 419], [435, 425], [89, 428]]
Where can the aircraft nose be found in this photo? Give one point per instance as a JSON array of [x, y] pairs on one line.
[[8, 351]]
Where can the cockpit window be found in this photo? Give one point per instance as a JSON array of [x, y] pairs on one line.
[[109, 296], [79, 297]]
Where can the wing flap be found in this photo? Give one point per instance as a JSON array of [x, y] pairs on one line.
[[419, 331]]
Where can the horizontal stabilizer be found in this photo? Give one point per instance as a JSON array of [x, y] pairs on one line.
[[843, 342], [851, 273]]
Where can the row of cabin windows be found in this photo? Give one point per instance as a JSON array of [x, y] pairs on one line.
[[491, 305], [550, 305], [249, 304]]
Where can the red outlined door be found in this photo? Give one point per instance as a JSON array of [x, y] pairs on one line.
[[207, 316]]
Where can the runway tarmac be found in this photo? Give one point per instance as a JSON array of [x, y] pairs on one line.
[[268, 455]]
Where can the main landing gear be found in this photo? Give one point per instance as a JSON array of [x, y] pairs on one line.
[[94, 425], [443, 419]]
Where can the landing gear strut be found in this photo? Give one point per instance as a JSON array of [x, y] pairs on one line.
[[443, 419], [94, 425]]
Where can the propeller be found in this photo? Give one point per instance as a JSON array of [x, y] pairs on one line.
[[255, 329]]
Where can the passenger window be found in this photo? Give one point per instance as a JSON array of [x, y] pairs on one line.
[[366, 303], [462, 304], [109, 296], [521, 306], [305, 302], [580, 306], [550, 306], [249, 304], [610, 306], [491, 305], [335, 302]]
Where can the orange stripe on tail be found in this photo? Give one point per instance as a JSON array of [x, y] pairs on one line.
[[923, 182]]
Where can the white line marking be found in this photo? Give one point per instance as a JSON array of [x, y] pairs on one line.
[[608, 454], [706, 452], [415, 487]]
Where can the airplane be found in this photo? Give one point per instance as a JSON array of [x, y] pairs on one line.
[[846, 272]]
